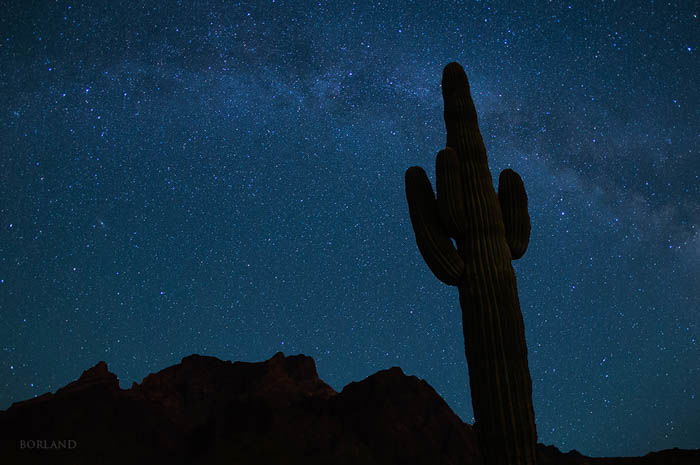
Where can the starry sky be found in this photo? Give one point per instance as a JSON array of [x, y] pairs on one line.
[[226, 178]]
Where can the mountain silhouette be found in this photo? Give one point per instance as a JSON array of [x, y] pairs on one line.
[[208, 411]]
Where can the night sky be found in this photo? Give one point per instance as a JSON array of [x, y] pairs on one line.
[[226, 178]]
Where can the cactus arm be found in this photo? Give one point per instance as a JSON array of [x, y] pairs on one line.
[[434, 244], [450, 193], [513, 200]]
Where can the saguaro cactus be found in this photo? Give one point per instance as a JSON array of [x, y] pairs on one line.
[[489, 231]]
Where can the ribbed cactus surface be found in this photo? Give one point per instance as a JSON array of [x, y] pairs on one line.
[[489, 229]]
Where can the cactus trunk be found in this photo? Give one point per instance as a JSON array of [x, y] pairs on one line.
[[499, 377], [490, 230]]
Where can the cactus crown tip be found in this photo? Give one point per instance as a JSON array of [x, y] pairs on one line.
[[453, 78], [453, 66]]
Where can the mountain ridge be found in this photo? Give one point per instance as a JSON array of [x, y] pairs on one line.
[[205, 410]]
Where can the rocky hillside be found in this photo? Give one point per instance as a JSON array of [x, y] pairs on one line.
[[208, 411]]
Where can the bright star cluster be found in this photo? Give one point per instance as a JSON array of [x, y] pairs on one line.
[[226, 178]]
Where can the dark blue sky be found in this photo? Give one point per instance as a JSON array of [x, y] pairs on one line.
[[226, 178]]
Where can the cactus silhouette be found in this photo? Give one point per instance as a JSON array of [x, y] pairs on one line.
[[489, 231]]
